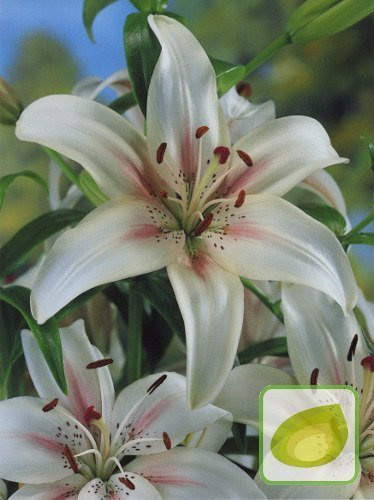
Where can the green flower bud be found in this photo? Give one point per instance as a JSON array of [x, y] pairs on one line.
[[318, 18], [10, 105]]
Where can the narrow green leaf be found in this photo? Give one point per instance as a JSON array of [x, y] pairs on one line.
[[46, 335], [271, 347], [228, 74], [329, 216], [7, 180], [142, 51], [159, 293], [370, 145], [16, 251], [123, 103], [91, 189], [91, 8]]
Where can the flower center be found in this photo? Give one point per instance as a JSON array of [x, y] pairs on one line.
[[197, 197]]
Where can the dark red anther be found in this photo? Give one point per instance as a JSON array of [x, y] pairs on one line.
[[245, 157], [49, 406], [99, 363], [163, 194], [244, 89], [126, 481], [223, 153], [352, 348], [161, 152], [71, 459], [368, 362], [200, 131], [10, 278], [167, 440], [91, 414], [314, 376], [156, 384], [204, 224], [240, 199]]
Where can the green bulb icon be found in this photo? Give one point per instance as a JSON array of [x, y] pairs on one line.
[[311, 437]]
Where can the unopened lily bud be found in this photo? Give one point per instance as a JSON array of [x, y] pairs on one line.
[[10, 104], [318, 18]]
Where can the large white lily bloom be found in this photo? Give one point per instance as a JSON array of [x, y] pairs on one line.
[[178, 199], [325, 347], [73, 445]]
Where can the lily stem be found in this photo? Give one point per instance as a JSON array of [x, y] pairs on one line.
[[133, 366], [64, 166], [272, 306], [267, 52], [353, 232]]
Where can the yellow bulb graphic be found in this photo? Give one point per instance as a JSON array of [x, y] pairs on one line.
[[311, 437]]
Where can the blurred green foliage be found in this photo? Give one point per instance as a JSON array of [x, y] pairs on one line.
[[330, 79]]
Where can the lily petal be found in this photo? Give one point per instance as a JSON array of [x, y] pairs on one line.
[[119, 239], [187, 473], [267, 238], [240, 393], [182, 97], [102, 141], [310, 491], [213, 437], [367, 310], [242, 115], [211, 301], [319, 336], [91, 86], [284, 152], [66, 488], [156, 417], [33, 441], [323, 184], [85, 387], [120, 486]]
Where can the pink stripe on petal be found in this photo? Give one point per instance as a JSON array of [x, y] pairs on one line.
[[200, 264], [44, 442], [243, 179], [142, 232], [178, 480], [245, 231], [150, 415], [80, 397]]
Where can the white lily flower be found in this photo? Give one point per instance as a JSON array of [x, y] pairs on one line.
[[178, 199], [325, 347], [73, 445]]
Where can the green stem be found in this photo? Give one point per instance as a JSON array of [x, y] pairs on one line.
[[365, 222], [61, 163], [272, 306], [133, 367], [267, 52]]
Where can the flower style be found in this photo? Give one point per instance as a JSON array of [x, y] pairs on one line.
[[72, 446], [325, 347], [182, 198]]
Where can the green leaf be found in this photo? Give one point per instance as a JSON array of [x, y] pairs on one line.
[[6, 181], [228, 74], [16, 251], [158, 292], [91, 8], [142, 51], [78, 302], [149, 6], [123, 103], [271, 347], [91, 189], [46, 335], [251, 446], [370, 145], [329, 216]]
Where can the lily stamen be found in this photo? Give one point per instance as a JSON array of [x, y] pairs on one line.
[[204, 224]]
